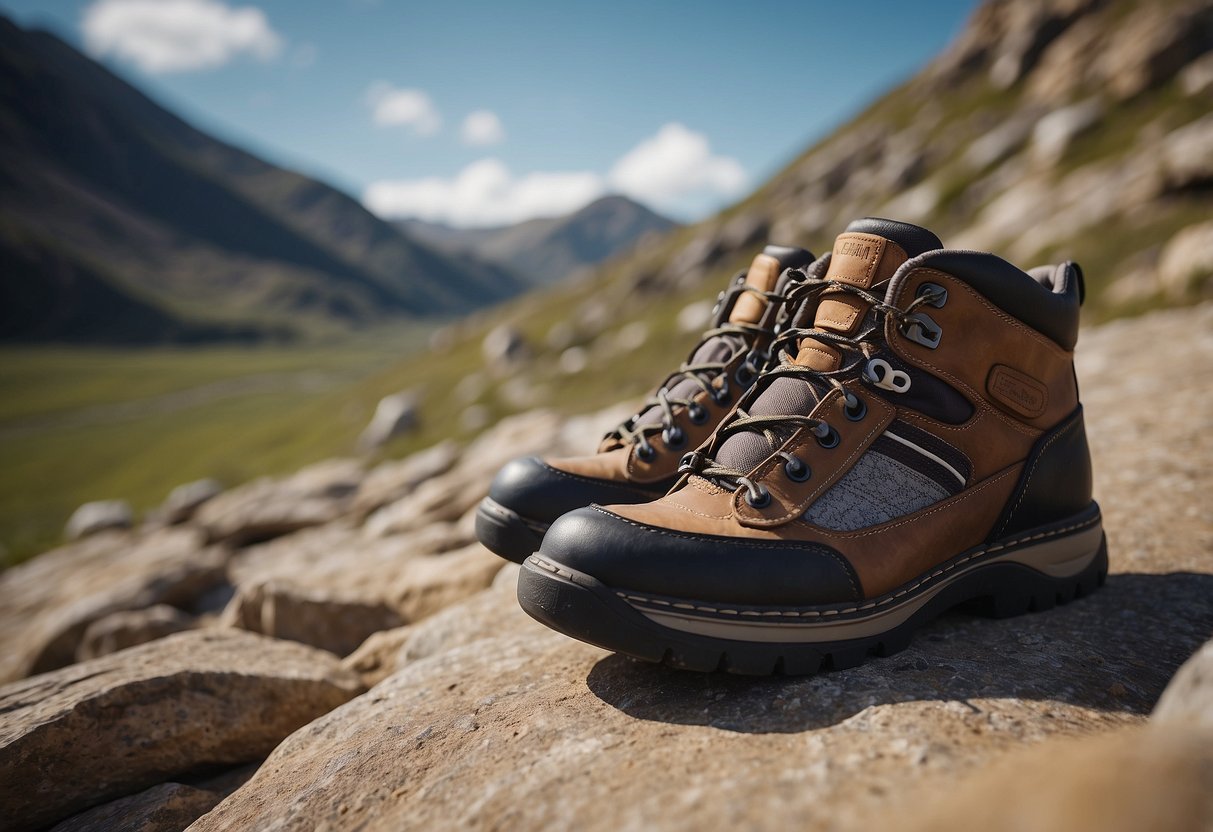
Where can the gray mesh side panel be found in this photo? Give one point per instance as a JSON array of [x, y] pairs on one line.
[[877, 489]]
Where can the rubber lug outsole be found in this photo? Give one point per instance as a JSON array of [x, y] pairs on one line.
[[583, 608], [506, 532]]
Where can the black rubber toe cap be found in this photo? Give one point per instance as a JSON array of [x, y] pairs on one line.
[[539, 492], [626, 555]]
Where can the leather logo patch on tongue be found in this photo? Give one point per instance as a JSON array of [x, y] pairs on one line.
[[855, 259], [763, 274], [861, 260]]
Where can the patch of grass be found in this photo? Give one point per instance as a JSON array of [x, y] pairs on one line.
[[82, 424]]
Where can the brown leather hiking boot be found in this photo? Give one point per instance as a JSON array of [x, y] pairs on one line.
[[638, 461], [920, 447]]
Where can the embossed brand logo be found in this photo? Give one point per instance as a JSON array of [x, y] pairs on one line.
[[855, 248], [1021, 394]]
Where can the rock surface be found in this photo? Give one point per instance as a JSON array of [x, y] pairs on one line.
[[268, 508], [100, 516], [108, 727], [1188, 700], [395, 415], [47, 603], [120, 630], [1159, 779], [167, 807], [480, 717]]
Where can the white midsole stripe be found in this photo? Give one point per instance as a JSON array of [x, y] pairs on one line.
[[925, 453], [1060, 557]]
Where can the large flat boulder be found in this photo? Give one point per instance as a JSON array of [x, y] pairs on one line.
[[105, 728], [493, 721]]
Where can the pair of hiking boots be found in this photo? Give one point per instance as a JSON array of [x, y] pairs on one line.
[[860, 442]]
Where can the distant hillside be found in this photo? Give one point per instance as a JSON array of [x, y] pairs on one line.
[[1049, 130], [121, 223], [549, 249]]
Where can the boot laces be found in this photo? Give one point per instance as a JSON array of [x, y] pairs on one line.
[[784, 349], [702, 374]]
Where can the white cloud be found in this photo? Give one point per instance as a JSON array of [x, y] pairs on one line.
[[673, 171], [392, 106], [485, 193], [675, 165], [482, 127], [177, 35]]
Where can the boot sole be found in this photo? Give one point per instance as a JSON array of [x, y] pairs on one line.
[[506, 532], [1034, 571]]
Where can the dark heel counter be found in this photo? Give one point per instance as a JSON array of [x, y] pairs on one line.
[[1056, 482]]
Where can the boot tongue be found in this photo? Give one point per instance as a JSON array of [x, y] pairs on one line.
[[763, 275], [865, 256], [767, 273]]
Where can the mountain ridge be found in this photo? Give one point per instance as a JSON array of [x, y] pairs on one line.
[[208, 241], [546, 249]]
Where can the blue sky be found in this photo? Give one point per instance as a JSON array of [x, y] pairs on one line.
[[684, 106]]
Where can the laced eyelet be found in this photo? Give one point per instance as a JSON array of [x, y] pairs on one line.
[[939, 292], [922, 329], [721, 396], [761, 501], [646, 453], [745, 374], [689, 464], [796, 470], [856, 412], [697, 413], [830, 439], [674, 437]]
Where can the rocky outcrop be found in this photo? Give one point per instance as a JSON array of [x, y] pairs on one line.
[[112, 726], [167, 807], [268, 508], [478, 716], [120, 630], [48, 603]]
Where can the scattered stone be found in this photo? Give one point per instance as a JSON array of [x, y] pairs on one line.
[[321, 618], [99, 516], [47, 603], [1186, 261], [389, 481], [1197, 77], [1055, 132], [268, 508], [111, 726], [186, 499], [631, 337], [573, 360], [504, 348], [395, 415], [1187, 155], [1188, 699], [120, 630]]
